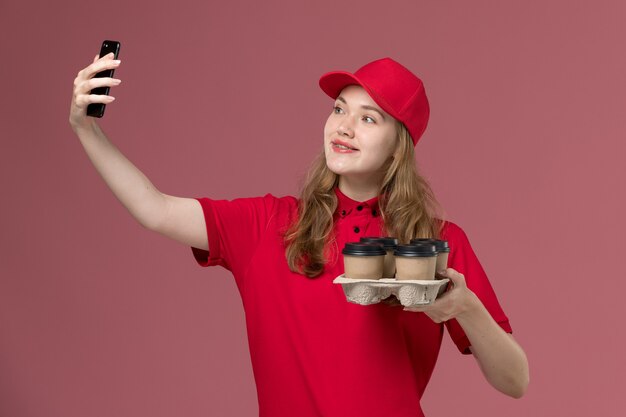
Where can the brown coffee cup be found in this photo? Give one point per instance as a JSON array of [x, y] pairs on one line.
[[389, 244], [416, 262], [363, 260], [443, 251]]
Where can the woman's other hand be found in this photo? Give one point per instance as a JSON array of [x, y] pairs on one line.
[[454, 303], [499, 356]]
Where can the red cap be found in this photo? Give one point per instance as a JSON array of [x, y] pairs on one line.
[[393, 87]]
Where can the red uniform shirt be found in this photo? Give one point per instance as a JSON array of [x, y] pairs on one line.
[[313, 353]]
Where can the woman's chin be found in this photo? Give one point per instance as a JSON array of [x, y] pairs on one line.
[[338, 169]]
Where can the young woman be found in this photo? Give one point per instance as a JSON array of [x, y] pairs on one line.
[[313, 353]]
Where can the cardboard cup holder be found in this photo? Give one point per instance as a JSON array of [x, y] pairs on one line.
[[410, 293]]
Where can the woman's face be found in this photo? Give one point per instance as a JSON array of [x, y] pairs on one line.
[[359, 136]]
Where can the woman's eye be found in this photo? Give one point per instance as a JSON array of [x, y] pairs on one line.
[[369, 119], [337, 110]]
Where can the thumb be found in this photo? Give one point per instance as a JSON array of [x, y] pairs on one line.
[[456, 278]]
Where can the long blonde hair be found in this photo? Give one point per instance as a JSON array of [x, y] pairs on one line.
[[407, 204]]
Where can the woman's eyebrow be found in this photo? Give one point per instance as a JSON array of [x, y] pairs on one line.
[[364, 106]]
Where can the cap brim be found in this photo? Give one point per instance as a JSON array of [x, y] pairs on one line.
[[333, 82]]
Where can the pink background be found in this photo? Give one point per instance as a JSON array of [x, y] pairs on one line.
[[525, 149]]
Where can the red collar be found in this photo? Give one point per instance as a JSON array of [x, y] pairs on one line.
[[346, 205]]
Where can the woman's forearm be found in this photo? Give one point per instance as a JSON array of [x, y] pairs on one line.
[[128, 183], [500, 357]]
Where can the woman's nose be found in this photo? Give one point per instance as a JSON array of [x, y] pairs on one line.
[[345, 129]]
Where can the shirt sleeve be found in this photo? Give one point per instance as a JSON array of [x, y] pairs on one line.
[[463, 259], [234, 230]]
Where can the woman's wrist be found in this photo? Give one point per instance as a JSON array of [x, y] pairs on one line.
[[85, 126], [472, 309]]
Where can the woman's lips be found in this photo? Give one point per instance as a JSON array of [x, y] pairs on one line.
[[342, 147]]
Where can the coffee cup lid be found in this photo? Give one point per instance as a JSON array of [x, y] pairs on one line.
[[363, 249], [440, 245], [387, 242], [418, 250]]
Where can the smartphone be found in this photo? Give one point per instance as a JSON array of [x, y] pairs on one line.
[[97, 109]]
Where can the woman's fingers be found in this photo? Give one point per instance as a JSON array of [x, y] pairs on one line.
[[92, 83], [98, 64], [86, 81], [83, 88], [84, 100], [455, 277], [104, 63], [110, 55]]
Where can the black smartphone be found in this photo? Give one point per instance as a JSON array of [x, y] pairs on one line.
[[97, 109]]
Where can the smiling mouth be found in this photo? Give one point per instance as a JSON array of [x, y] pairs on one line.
[[342, 146]]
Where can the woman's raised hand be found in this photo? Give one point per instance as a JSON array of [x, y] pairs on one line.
[[84, 83]]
